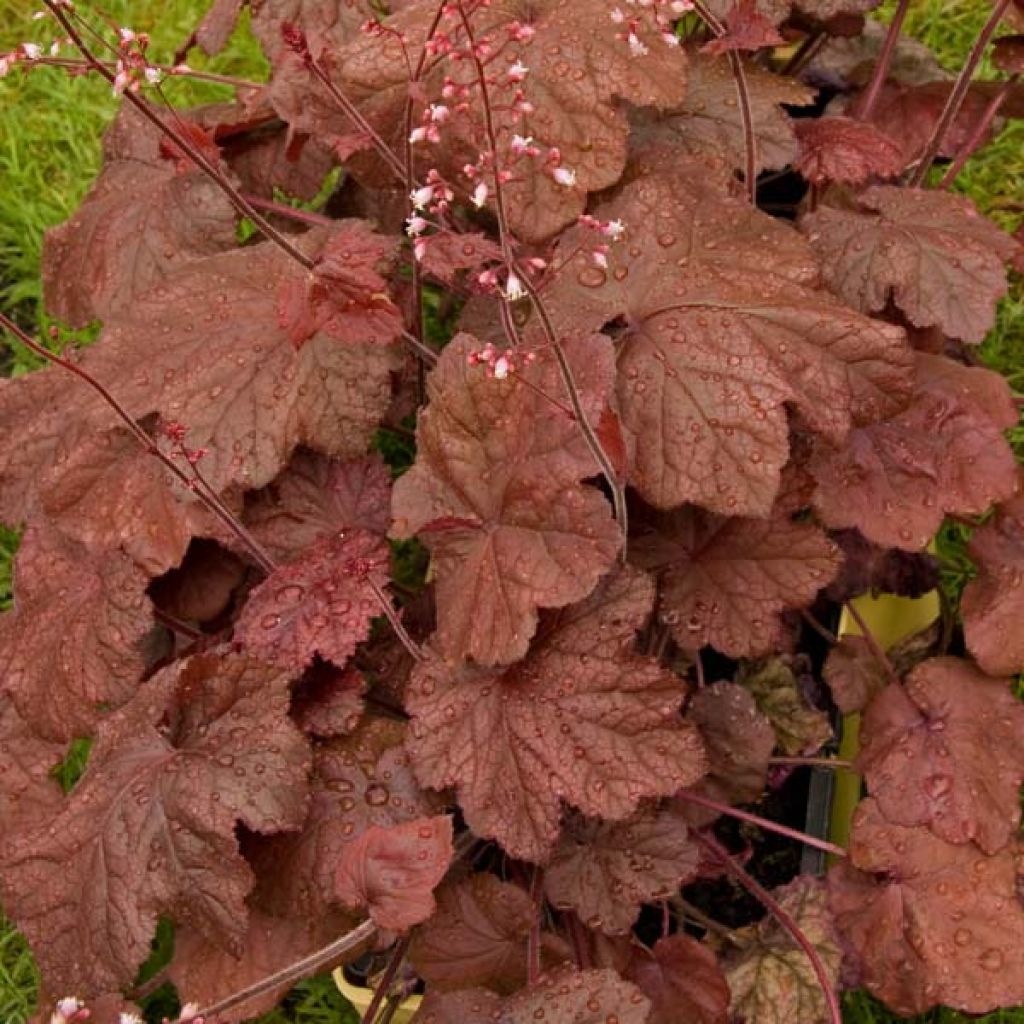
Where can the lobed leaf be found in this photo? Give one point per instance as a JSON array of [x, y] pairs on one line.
[[582, 720], [150, 828], [945, 750], [496, 495]]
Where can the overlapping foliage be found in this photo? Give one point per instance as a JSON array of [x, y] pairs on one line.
[[661, 423]]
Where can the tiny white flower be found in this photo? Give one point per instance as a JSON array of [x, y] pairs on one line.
[[189, 1012], [521, 143], [416, 226], [501, 367], [439, 113], [39, 15], [617, 16], [480, 194], [419, 249], [636, 46], [126, 34], [517, 72], [55, 48], [130, 1018], [514, 287], [671, 39], [615, 229], [32, 51], [421, 196], [154, 76], [564, 176], [418, 135], [600, 259]]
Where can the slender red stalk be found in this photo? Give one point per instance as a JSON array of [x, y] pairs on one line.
[[814, 762], [743, 97], [317, 220], [865, 105], [958, 94], [773, 907], [383, 987], [324, 957], [193, 483], [755, 819], [223, 183], [533, 939], [396, 623], [604, 463], [978, 132], [873, 645]]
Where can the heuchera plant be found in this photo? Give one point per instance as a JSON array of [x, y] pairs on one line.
[[684, 323]]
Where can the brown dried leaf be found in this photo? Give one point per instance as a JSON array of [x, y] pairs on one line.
[[945, 454], [929, 251], [606, 871], [495, 493], [930, 922], [772, 981], [799, 728], [150, 828], [74, 643], [946, 750], [582, 720], [683, 981]]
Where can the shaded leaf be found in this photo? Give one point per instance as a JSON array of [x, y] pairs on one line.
[[329, 702], [150, 828], [946, 750], [28, 791], [726, 582], [799, 728], [991, 606], [772, 981], [495, 494], [576, 997], [870, 568], [316, 496], [582, 720], [392, 870], [477, 937], [320, 603], [930, 922], [140, 222], [203, 973], [683, 981], [606, 871], [739, 741], [716, 343], [853, 674], [945, 454], [929, 251], [845, 151], [358, 781], [709, 117], [74, 643]]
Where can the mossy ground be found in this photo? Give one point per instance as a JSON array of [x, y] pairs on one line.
[[50, 127]]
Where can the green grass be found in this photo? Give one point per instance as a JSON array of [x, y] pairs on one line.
[[50, 127]]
